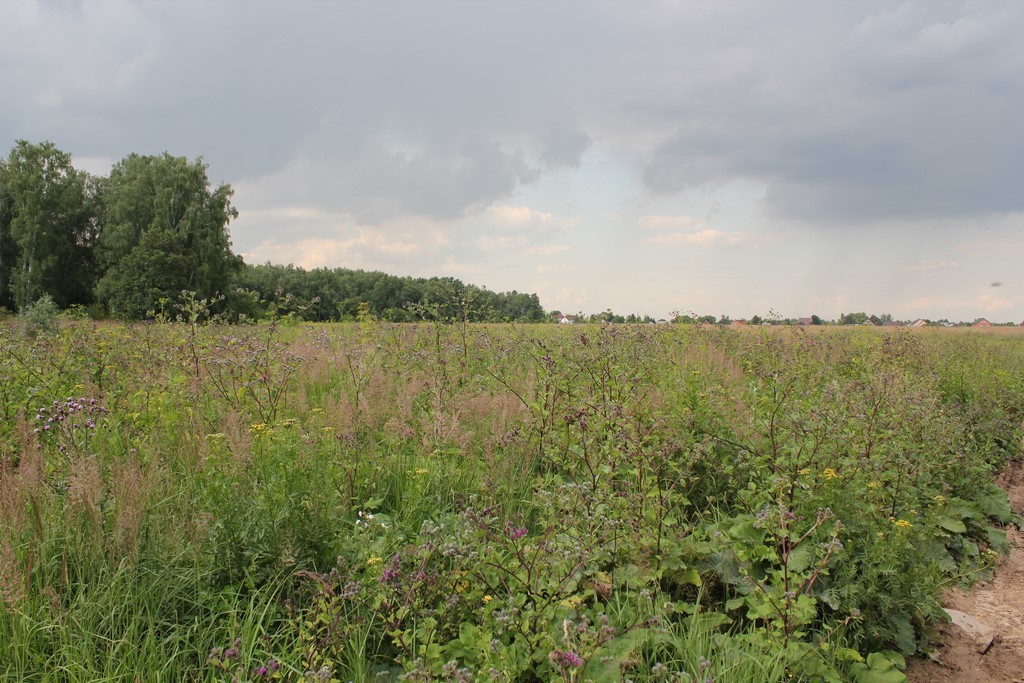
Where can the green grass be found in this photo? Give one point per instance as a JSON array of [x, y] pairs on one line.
[[378, 499]]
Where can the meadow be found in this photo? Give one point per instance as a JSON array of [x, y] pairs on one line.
[[193, 501]]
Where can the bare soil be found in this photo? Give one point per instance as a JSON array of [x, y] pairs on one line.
[[989, 647]]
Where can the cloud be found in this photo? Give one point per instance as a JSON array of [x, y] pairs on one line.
[[665, 222], [548, 250], [845, 112], [362, 251], [554, 268], [926, 303], [996, 245], [909, 113], [928, 264], [495, 243], [707, 237], [993, 304], [516, 215], [376, 185], [564, 148], [453, 137]]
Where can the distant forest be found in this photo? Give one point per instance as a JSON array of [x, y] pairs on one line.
[[129, 244]]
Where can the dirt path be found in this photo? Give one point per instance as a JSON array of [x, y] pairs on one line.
[[991, 610]]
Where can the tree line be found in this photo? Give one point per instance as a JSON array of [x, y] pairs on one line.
[[130, 243]]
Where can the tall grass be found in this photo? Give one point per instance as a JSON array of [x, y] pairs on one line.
[[371, 501]]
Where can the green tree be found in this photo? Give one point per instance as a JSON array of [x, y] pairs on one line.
[[48, 227], [161, 215], [853, 318], [8, 250], [148, 273]]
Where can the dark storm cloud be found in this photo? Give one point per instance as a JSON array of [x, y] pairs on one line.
[[910, 113], [565, 147], [845, 112]]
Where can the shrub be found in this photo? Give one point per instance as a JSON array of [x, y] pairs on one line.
[[40, 317]]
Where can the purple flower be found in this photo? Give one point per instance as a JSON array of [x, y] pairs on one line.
[[391, 573], [514, 532], [563, 659]]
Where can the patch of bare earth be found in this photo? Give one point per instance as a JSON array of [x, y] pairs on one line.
[[985, 641]]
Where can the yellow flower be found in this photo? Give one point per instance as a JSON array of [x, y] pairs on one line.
[[572, 602], [873, 485], [940, 498], [903, 524], [258, 427], [421, 471], [373, 561], [830, 473], [486, 599]]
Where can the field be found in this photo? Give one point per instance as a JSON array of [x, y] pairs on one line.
[[375, 502]]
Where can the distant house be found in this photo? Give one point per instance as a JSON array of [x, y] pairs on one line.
[[806, 321], [981, 322], [920, 322], [868, 323], [566, 319]]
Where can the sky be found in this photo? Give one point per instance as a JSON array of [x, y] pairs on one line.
[[737, 157]]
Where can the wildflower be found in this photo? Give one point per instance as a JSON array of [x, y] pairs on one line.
[[374, 561], [940, 499], [903, 524], [873, 485], [571, 602], [420, 471], [257, 427], [514, 532], [830, 473], [391, 574], [567, 659], [486, 599]]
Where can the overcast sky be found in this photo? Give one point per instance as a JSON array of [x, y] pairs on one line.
[[718, 157]]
